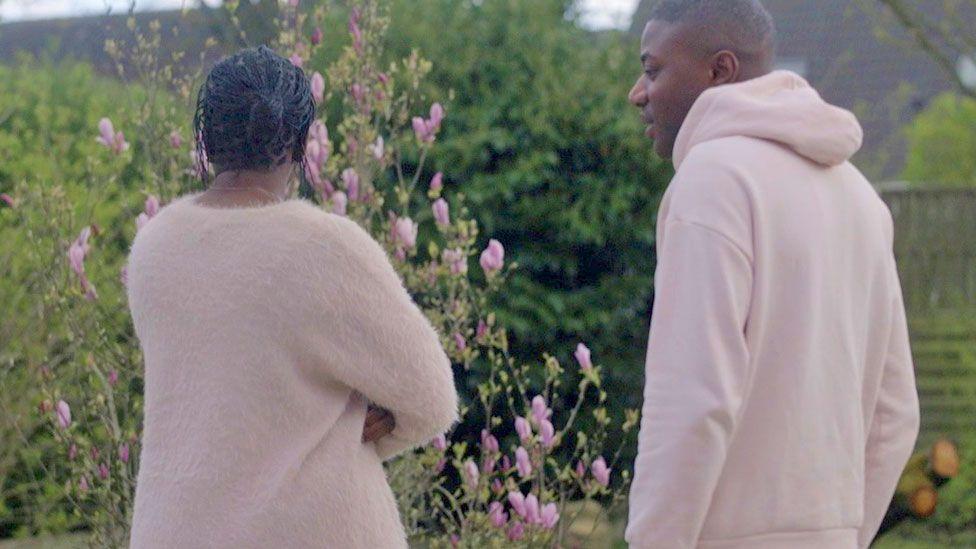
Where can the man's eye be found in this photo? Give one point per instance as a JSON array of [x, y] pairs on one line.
[[651, 73]]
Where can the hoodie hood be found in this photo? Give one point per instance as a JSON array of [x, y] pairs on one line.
[[780, 107]]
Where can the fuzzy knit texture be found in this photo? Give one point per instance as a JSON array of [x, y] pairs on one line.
[[265, 332], [780, 404]]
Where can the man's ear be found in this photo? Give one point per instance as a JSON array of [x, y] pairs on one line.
[[724, 68]]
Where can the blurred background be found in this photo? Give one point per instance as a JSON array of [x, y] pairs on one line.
[[552, 160]]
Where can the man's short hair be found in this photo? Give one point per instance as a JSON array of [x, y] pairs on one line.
[[744, 23]]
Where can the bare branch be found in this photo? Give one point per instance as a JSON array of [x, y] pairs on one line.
[[926, 35]]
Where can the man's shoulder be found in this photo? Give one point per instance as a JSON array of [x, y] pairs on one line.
[[716, 172], [735, 154]]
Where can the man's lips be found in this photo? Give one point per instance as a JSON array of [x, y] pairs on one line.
[[650, 131]]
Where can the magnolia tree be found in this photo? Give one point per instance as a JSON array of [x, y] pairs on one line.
[[524, 480]]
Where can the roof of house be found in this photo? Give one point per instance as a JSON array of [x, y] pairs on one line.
[[858, 60]]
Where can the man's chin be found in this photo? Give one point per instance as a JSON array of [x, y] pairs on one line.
[[663, 149]]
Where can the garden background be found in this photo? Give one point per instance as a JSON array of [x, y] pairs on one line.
[[549, 158]]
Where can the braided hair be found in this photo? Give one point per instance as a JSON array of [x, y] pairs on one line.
[[253, 112]]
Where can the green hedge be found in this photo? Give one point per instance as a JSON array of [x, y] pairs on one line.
[[540, 138]]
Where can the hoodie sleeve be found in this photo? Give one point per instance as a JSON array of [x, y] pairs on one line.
[[370, 336], [697, 376], [894, 424]]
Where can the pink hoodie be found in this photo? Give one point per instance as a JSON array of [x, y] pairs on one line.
[[780, 403]]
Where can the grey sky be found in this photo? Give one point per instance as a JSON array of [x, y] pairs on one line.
[[597, 13]]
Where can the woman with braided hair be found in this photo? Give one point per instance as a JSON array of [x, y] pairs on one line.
[[284, 360]]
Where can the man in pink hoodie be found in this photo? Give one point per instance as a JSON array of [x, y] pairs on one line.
[[780, 403]]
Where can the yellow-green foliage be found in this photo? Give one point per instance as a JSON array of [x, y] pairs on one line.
[[942, 143]]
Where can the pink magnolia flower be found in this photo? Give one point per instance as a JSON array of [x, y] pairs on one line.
[[506, 463], [441, 212], [456, 260], [124, 453], [523, 428], [600, 471], [112, 139], [439, 442], [437, 182], [358, 93], [339, 202], [356, 32], [517, 501], [175, 140], [72, 452], [64, 414], [549, 516], [482, 330], [493, 257], [313, 173], [471, 473], [436, 115], [113, 378], [489, 443], [420, 130], [8, 200], [489, 465], [455, 541], [539, 409], [313, 154], [440, 465], [102, 471], [151, 209], [152, 206], [383, 78], [582, 355], [351, 181], [532, 514], [316, 37], [83, 484], [460, 342], [296, 60], [547, 433], [378, 149], [497, 514], [516, 531], [318, 87], [496, 486], [83, 237], [522, 462], [406, 232], [76, 258], [319, 133], [580, 469], [426, 129]]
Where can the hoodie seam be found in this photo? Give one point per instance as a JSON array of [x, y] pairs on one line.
[[717, 232]]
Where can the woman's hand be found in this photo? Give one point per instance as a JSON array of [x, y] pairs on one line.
[[379, 423]]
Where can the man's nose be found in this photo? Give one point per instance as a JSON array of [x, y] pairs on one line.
[[638, 94]]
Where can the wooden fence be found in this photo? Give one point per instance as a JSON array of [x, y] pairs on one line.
[[935, 245]]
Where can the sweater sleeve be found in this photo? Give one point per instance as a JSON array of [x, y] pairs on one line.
[[894, 424], [369, 335], [697, 377]]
